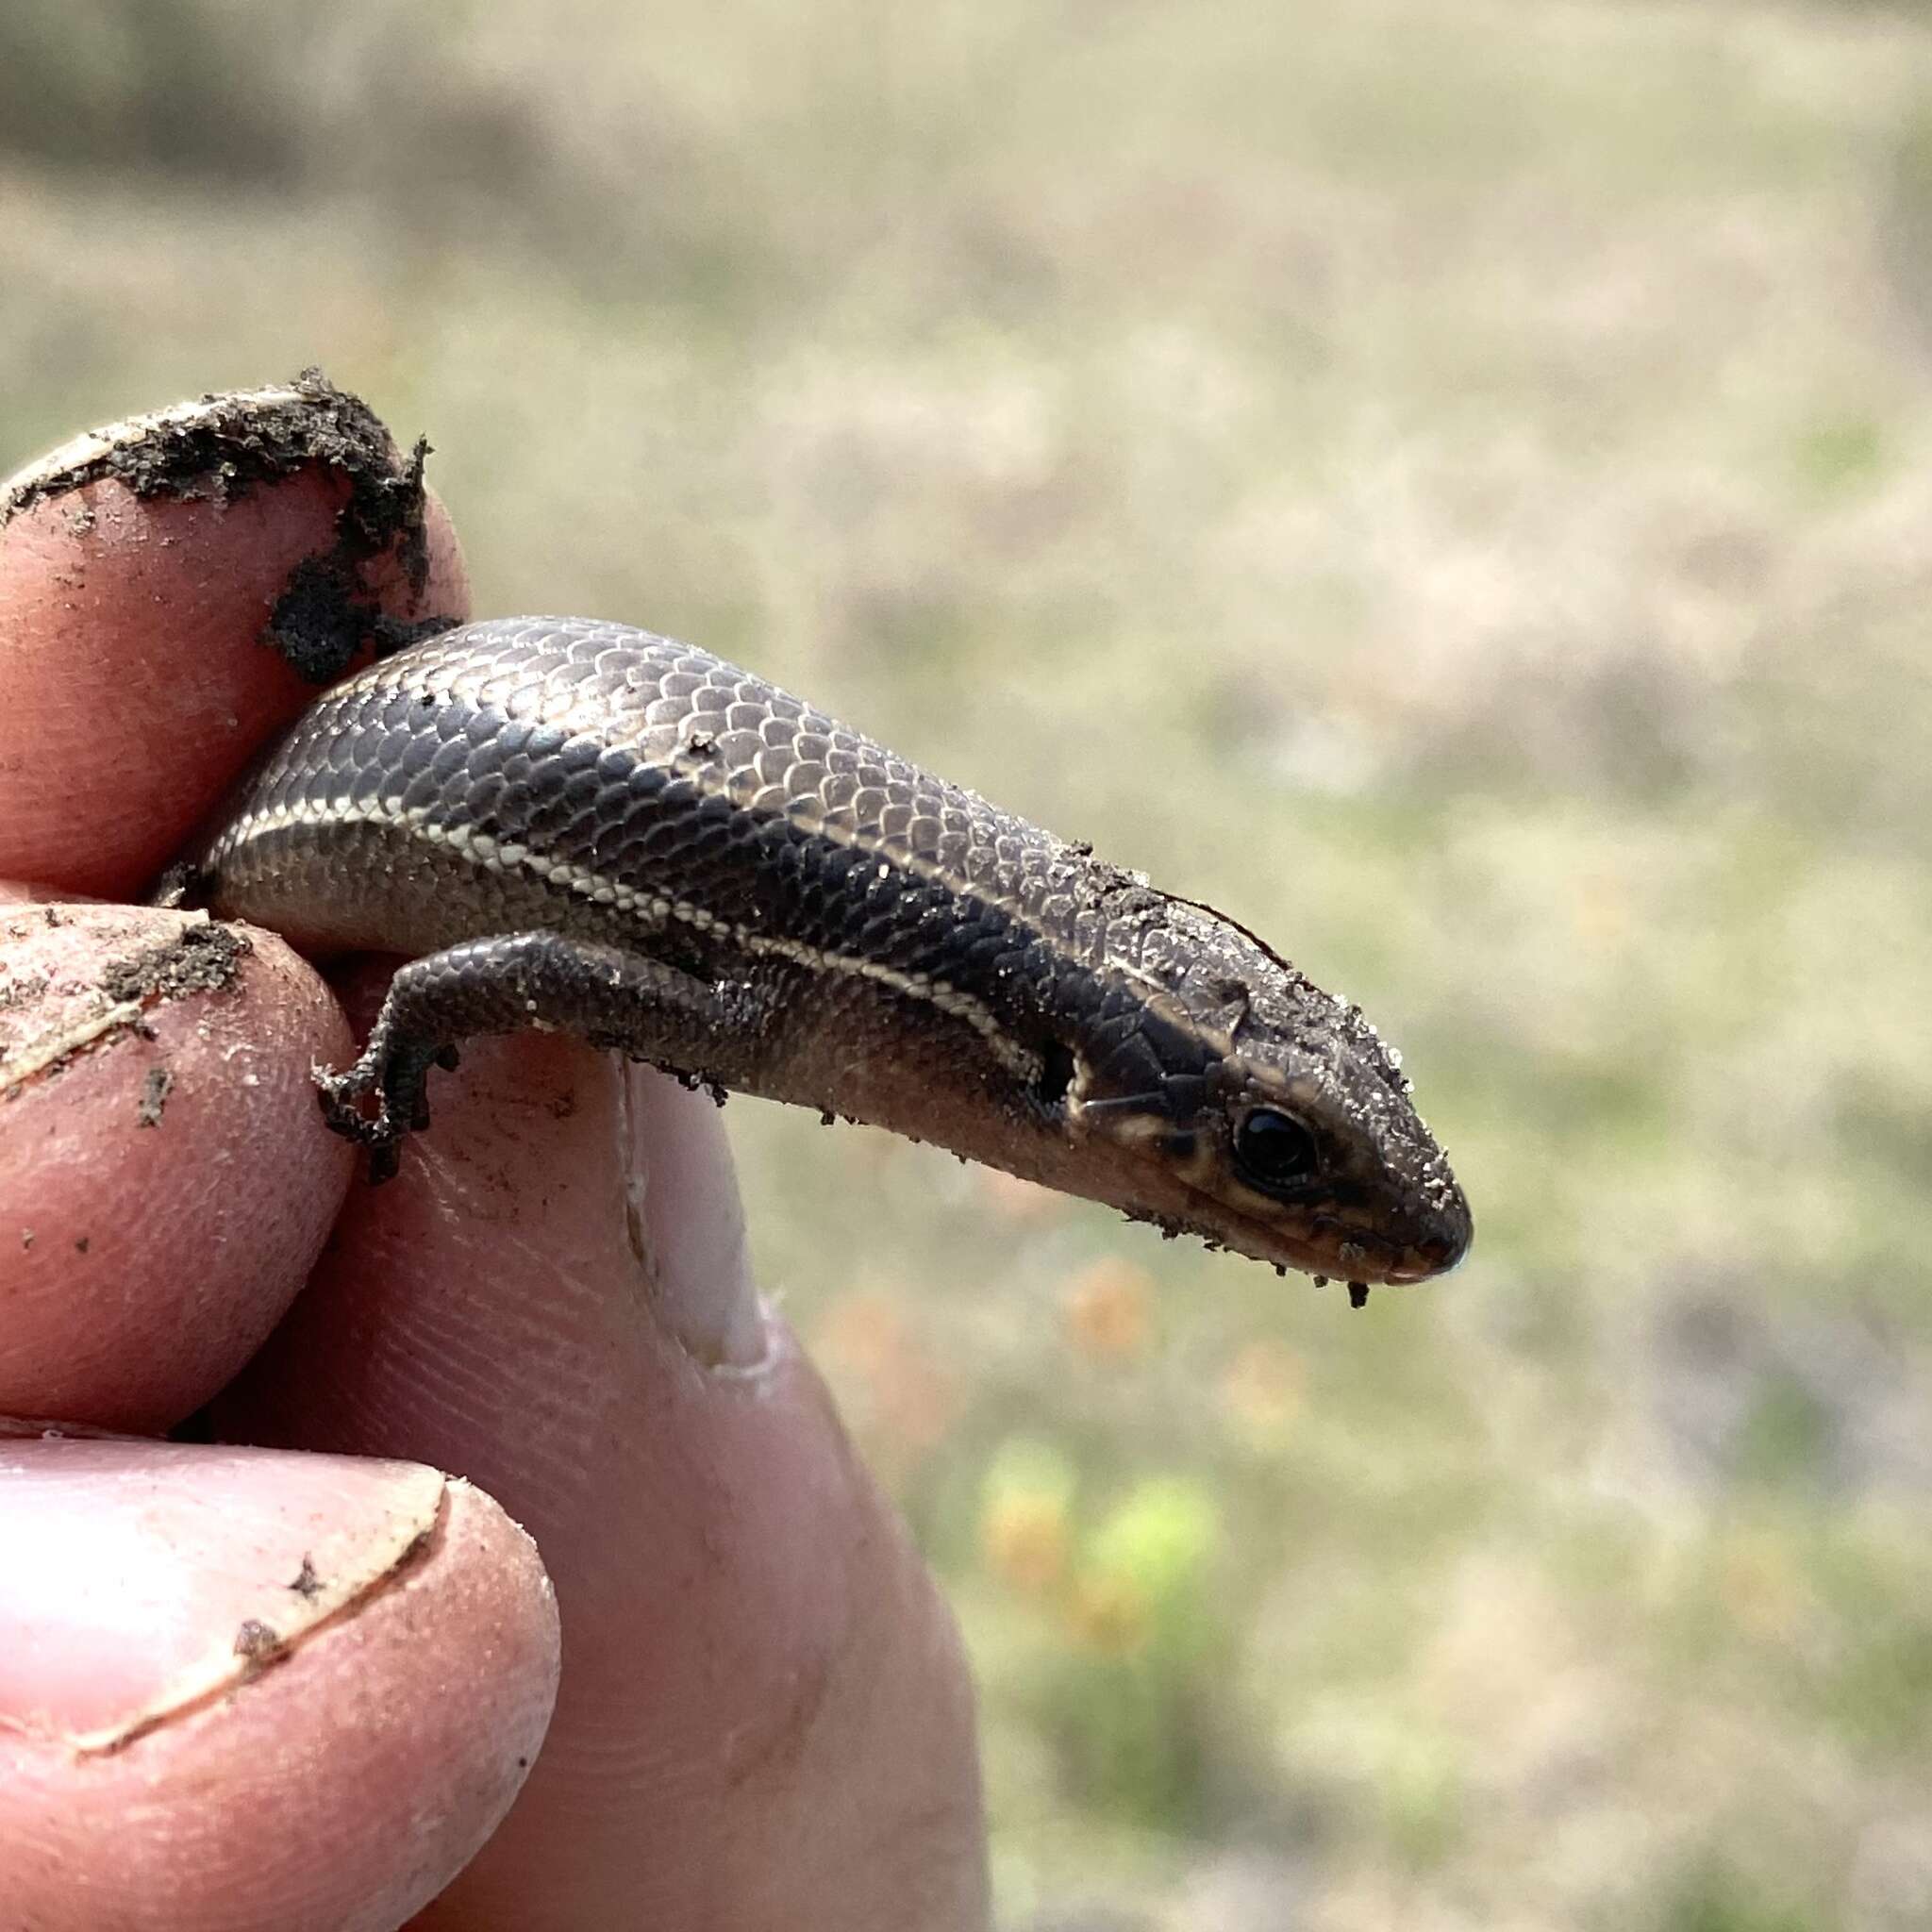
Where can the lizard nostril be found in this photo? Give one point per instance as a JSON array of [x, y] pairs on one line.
[[1446, 1245]]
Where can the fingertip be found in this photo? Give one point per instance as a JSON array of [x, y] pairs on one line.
[[171, 589], [760, 1671], [354, 1675], [166, 1181]]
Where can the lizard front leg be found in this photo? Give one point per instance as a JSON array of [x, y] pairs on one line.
[[702, 1030]]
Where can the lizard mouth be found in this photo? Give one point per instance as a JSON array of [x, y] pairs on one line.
[[1326, 1244], [1376, 1232], [1400, 1260]]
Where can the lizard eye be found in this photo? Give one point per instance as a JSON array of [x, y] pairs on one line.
[[1272, 1149]]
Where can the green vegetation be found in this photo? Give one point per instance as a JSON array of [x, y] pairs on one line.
[[1450, 482]]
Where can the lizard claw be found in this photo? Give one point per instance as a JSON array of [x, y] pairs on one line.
[[341, 1096], [380, 1101]]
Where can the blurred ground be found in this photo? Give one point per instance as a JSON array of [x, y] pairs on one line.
[[1446, 480]]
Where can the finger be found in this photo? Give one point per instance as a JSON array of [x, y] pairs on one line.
[[166, 1180], [156, 581], [161, 1196], [765, 1720], [259, 1690]]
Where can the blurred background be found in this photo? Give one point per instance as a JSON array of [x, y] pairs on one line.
[[1448, 481]]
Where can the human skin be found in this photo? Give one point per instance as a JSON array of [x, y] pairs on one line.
[[310, 1681]]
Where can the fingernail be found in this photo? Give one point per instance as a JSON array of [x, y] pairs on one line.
[[249, 1551], [686, 1225]]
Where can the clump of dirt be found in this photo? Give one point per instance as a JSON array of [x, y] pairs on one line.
[[222, 447]]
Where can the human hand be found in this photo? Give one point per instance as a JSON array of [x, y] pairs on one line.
[[288, 1683]]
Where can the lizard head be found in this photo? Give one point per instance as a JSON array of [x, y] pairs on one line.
[[1229, 1096]]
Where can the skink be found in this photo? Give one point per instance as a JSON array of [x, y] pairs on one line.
[[577, 826]]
